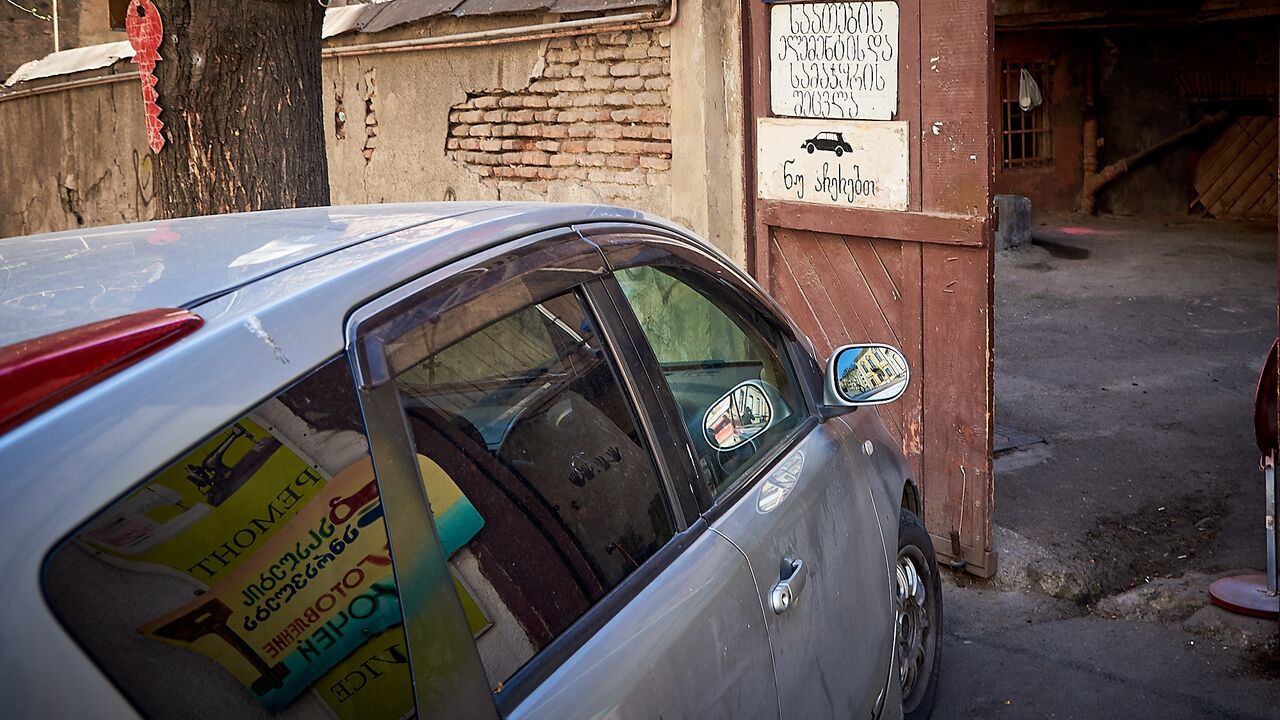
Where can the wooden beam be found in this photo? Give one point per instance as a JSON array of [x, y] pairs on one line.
[[935, 228]]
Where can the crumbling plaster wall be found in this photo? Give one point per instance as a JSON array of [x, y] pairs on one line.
[[74, 159], [411, 96]]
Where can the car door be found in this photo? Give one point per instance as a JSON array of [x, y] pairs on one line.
[[795, 499], [570, 575]]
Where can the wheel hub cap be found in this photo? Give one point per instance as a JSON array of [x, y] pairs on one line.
[[912, 623]]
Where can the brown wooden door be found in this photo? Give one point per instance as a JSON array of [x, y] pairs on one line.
[[920, 279]]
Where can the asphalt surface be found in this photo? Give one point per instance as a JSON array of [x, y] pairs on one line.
[[1024, 655], [1132, 347]]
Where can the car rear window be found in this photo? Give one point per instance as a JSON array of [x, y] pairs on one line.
[[250, 578]]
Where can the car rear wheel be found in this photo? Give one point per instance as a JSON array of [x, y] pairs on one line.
[[918, 630]]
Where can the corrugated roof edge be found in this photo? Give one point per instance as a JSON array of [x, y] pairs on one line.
[[378, 16], [68, 62]]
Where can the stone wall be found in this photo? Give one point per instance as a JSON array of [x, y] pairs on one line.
[[598, 112]]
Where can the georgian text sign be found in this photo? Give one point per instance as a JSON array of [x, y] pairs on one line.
[[834, 60], [850, 163]]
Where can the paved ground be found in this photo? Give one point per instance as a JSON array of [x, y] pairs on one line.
[[1132, 347]]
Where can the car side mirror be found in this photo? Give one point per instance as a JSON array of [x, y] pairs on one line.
[[868, 374], [741, 414]]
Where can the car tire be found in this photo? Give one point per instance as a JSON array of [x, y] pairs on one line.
[[918, 617], [839, 151], [809, 148]]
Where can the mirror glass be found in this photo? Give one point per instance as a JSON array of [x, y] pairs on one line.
[[743, 413], [871, 374]]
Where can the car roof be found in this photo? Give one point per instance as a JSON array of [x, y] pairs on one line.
[[55, 281]]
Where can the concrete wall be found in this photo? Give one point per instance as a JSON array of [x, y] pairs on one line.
[[1152, 83], [647, 119], [74, 159]]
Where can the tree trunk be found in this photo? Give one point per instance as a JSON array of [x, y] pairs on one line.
[[240, 98]]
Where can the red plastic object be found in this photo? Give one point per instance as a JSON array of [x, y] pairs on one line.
[[1247, 595], [37, 374], [1264, 406]]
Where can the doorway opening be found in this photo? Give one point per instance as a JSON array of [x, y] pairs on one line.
[[1133, 323]]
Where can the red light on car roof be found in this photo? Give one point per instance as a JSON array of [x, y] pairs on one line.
[[39, 373]]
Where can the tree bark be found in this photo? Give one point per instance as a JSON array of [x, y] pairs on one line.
[[240, 98]]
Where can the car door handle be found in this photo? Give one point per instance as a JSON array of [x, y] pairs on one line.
[[785, 593]]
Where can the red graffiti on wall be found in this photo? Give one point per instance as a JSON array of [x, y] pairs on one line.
[[142, 23]]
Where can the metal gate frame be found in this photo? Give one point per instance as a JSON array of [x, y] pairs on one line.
[[921, 279]]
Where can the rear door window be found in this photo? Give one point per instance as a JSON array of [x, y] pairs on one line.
[[527, 418], [252, 577]]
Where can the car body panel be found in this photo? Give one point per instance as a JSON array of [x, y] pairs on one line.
[[59, 280], [692, 644], [265, 330], [832, 647]]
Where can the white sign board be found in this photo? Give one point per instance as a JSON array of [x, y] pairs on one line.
[[849, 163], [834, 60]]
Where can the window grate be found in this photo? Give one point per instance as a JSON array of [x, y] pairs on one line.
[[1026, 135]]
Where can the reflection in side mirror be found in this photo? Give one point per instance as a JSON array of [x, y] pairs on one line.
[[866, 375], [743, 413]]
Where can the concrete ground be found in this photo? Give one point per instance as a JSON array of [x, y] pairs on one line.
[[1132, 347]]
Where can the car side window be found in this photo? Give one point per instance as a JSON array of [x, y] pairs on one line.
[[251, 577], [709, 341], [546, 496]]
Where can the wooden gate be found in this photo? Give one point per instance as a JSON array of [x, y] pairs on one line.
[[918, 276]]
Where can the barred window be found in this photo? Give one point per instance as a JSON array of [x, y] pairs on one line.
[[1026, 135]]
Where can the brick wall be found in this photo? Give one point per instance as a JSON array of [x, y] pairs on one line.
[[599, 113]]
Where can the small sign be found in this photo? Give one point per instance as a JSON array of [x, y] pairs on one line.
[[849, 163], [834, 60]]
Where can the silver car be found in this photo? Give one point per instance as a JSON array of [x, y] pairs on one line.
[[453, 460]]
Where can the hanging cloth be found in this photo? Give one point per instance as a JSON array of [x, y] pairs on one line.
[[1029, 96]]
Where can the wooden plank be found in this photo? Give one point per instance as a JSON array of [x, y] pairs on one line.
[[1212, 186], [1261, 186], [1228, 145], [1211, 162], [910, 226], [1255, 165], [808, 266], [957, 140], [1266, 206], [877, 280], [956, 282], [912, 330], [959, 422], [1241, 129], [1210, 196], [787, 292]]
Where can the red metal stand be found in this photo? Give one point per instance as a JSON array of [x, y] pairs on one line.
[[1257, 595], [1247, 595]]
